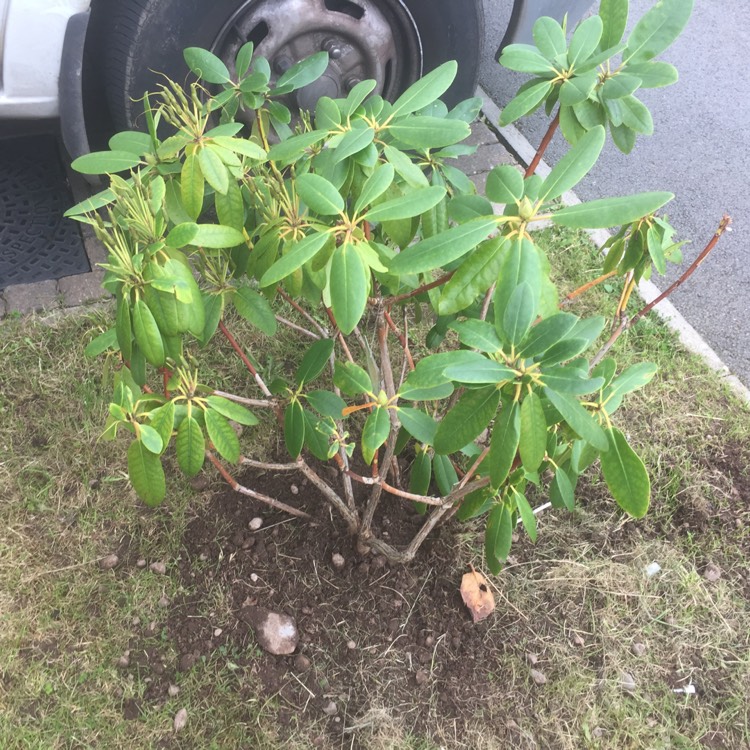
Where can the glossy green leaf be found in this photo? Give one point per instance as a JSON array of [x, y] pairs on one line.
[[654, 74], [106, 162], [477, 334], [614, 15], [636, 115], [578, 89], [610, 212], [549, 37], [421, 474], [422, 132], [319, 194], [570, 380], [619, 86], [314, 362], [546, 333], [498, 537], [506, 436], [375, 432], [206, 65], [316, 439], [520, 313], [561, 490], [525, 58], [222, 435], [413, 203], [467, 419], [479, 369], [504, 184], [443, 248], [146, 474], [585, 40], [533, 441], [294, 428], [150, 438], [657, 29], [254, 308], [525, 101], [409, 172], [192, 187], [218, 236], [580, 420], [420, 425], [625, 475], [375, 185], [574, 166], [426, 90], [214, 170], [304, 72], [353, 142], [242, 146], [294, 147], [351, 379], [528, 519], [182, 234], [232, 410], [623, 137], [104, 341], [190, 446], [445, 475], [349, 287], [132, 141], [326, 403], [295, 258], [147, 334]]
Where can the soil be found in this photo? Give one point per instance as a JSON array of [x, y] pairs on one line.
[[367, 629]]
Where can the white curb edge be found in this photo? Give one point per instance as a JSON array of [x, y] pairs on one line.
[[690, 338]]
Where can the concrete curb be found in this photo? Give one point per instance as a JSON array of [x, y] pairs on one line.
[[519, 147]]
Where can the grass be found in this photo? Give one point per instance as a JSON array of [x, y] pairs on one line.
[[576, 603]]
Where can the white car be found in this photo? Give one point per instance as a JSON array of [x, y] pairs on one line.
[[88, 62]]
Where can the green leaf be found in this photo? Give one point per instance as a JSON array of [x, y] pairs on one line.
[[579, 419], [293, 148], [304, 72], [232, 410], [636, 115], [476, 274], [476, 504], [479, 369], [150, 438], [94, 203], [223, 436], [375, 185], [585, 40], [466, 420], [375, 432], [610, 212], [625, 475], [445, 474], [162, 420], [578, 89], [104, 341], [527, 515], [214, 170], [351, 379], [413, 203], [314, 362], [426, 90], [619, 86], [353, 142], [420, 425], [190, 446], [547, 333], [443, 248], [409, 172], [574, 166], [349, 287], [655, 249], [182, 235], [421, 474], [614, 15], [623, 137], [504, 184], [423, 132], [654, 74], [192, 187], [525, 101], [106, 162], [319, 195], [132, 141], [520, 313], [295, 258], [316, 439], [498, 538], [549, 37], [533, 432], [146, 474], [478, 334], [240, 146], [570, 380], [504, 444], [326, 403], [294, 428], [254, 308], [562, 489], [206, 65], [525, 58], [147, 334], [657, 29], [217, 236]]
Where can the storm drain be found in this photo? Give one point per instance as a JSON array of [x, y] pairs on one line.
[[36, 242]]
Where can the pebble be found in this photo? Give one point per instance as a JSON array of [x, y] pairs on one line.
[[136, 621], [597, 732], [330, 709], [124, 660], [254, 577], [302, 663], [578, 640], [164, 602], [180, 719], [173, 691], [109, 562], [532, 658], [203, 557], [217, 632], [275, 633], [421, 676], [294, 489], [539, 677], [158, 567], [338, 561], [351, 645], [429, 641], [638, 649], [712, 573], [199, 483], [627, 682], [255, 523], [152, 627], [141, 563]]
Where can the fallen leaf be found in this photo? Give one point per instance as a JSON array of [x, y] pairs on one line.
[[477, 595]]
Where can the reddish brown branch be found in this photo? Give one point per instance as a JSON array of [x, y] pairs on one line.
[[543, 145], [585, 287], [401, 338], [241, 354], [424, 288], [340, 335]]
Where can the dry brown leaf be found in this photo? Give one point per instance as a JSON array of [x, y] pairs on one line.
[[477, 595]]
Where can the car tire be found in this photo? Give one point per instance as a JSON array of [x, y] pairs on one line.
[[146, 38]]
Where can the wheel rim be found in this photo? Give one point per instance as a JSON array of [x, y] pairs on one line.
[[365, 39]]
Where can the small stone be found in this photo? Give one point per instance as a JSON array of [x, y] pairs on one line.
[[152, 627], [180, 719], [597, 732], [254, 577], [124, 660], [627, 682], [379, 562], [141, 563], [577, 640], [351, 645], [255, 523], [164, 602], [136, 621], [532, 658], [203, 557], [158, 567], [109, 562], [429, 641], [199, 483], [330, 709], [338, 561], [539, 677], [294, 489], [187, 661], [275, 633], [94, 484], [302, 663], [652, 569], [712, 573], [173, 691], [638, 649], [421, 677], [217, 632]]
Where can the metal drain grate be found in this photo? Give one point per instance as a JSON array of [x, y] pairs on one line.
[[36, 242]]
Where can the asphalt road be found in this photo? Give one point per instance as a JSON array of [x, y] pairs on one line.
[[700, 151]]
